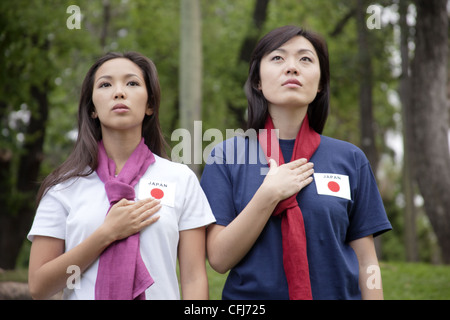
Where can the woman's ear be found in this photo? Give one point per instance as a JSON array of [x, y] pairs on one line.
[[259, 86], [149, 111], [94, 115]]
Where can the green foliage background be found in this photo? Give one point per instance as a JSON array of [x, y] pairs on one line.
[[37, 48]]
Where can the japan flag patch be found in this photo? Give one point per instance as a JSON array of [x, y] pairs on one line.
[[164, 191], [332, 184]]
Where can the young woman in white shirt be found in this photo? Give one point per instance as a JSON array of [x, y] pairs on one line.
[[118, 112]]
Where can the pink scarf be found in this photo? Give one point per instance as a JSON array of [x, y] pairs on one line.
[[122, 274], [295, 259]]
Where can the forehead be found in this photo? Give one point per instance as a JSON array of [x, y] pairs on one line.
[[297, 44], [117, 67]]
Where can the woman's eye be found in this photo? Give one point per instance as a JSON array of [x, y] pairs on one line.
[[133, 83], [276, 58], [104, 85], [306, 59]]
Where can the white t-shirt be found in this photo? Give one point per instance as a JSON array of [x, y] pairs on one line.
[[76, 208]]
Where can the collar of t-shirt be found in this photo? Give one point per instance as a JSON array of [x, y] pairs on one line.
[[287, 148]]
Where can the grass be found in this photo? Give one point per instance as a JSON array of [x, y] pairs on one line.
[[216, 282], [401, 281], [415, 281]]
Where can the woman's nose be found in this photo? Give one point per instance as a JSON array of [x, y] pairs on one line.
[[119, 93], [292, 70], [291, 67]]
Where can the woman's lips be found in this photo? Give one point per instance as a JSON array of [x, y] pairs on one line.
[[292, 83], [120, 108]]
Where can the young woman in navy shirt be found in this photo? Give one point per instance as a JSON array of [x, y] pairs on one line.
[[338, 208]]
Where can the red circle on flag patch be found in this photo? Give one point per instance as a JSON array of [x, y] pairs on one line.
[[157, 193], [334, 186]]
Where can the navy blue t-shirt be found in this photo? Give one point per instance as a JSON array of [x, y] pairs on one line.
[[235, 171]]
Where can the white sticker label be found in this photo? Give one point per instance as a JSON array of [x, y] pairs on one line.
[[165, 191], [332, 184]]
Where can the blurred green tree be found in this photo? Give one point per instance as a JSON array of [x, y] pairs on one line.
[[43, 63]]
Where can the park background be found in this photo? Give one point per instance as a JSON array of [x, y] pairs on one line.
[[389, 96]]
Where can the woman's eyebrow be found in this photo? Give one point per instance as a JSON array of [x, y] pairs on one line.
[[300, 51], [108, 77]]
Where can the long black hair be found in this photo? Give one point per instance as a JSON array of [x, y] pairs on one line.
[[257, 103]]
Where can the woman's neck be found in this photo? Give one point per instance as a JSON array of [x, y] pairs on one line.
[[288, 121], [120, 147]]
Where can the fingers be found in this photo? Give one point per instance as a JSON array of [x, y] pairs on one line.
[[129, 217], [145, 204], [302, 171], [272, 163], [304, 174], [144, 210], [305, 169], [299, 167], [141, 211], [273, 167], [122, 203], [296, 163], [148, 216], [303, 183], [288, 179]]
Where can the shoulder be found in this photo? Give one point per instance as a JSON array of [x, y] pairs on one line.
[[340, 149], [169, 168], [87, 176], [243, 148], [169, 164], [336, 143]]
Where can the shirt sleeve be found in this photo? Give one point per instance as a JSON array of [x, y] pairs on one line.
[[50, 218], [196, 211], [367, 216], [217, 184]]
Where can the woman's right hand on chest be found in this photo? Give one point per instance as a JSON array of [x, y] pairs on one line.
[[288, 179], [126, 217]]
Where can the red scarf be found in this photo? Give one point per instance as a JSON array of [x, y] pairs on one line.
[[295, 259]]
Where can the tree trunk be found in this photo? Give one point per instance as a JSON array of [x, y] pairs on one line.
[[408, 181], [367, 121], [18, 209], [191, 75], [105, 25], [249, 43], [429, 111]]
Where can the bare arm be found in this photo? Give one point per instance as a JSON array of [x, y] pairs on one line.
[[49, 263], [226, 246], [369, 270], [191, 253]]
